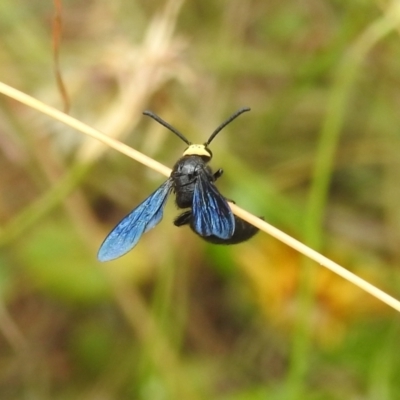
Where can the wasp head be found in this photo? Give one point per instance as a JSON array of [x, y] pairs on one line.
[[200, 150]]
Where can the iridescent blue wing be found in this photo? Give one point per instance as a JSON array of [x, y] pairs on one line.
[[144, 217], [212, 215]]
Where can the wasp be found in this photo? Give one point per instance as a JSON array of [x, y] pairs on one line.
[[193, 183]]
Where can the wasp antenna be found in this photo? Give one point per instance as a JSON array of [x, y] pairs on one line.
[[167, 125], [225, 123]]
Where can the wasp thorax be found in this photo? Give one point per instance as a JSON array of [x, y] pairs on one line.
[[198, 150]]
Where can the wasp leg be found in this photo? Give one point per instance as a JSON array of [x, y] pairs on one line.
[[183, 219], [218, 174]]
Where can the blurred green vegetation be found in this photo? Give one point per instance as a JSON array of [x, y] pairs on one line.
[[178, 318]]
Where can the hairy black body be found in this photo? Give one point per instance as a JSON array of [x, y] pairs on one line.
[[184, 175]]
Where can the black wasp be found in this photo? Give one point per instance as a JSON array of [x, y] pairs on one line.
[[193, 183]]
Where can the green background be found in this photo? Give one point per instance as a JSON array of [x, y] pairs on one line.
[[177, 318]]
